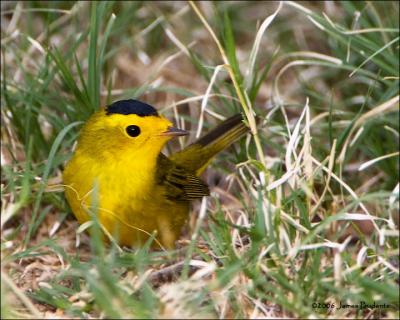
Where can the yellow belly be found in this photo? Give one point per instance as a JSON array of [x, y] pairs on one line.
[[131, 216]]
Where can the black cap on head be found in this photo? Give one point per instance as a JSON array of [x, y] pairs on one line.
[[131, 106]]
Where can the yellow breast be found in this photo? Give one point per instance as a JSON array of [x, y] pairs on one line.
[[128, 202]]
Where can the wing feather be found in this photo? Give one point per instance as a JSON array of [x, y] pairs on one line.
[[180, 184]]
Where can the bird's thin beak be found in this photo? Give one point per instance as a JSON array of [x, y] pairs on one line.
[[174, 132]]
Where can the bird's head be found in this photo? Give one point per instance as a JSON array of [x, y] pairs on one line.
[[127, 126]]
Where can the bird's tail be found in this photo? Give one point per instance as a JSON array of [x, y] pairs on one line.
[[196, 156]]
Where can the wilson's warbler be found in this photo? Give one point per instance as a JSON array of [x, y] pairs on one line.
[[140, 190]]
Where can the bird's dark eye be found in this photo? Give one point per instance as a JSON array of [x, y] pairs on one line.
[[133, 130]]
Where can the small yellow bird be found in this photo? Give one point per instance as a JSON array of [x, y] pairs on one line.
[[139, 190]]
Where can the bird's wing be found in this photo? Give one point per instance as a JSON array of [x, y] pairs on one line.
[[180, 184], [196, 156]]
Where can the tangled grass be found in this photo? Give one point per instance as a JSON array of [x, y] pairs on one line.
[[304, 213]]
